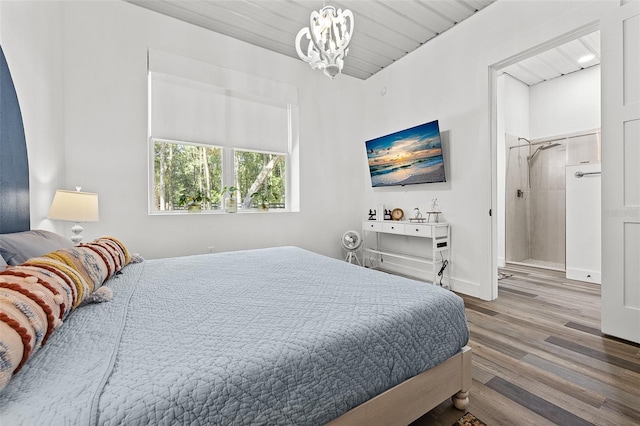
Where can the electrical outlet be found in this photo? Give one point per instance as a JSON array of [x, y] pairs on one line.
[[211, 249]]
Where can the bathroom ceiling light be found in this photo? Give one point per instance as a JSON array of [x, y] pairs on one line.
[[328, 37], [586, 58]]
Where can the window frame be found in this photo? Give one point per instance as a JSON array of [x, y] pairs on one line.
[[163, 65], [228, 176], [286, 175]]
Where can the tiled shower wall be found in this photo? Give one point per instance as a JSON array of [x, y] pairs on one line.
[[535, 216], [547, 205]]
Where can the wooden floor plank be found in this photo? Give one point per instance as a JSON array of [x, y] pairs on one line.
[[540, 372], [628, 415], [536, 404], [540, 357], [585, 383], [602, 356], [555, 395]]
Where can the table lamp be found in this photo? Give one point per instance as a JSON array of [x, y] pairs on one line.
[[75, 206]]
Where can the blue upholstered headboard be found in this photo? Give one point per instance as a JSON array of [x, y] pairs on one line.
[[14, 165]]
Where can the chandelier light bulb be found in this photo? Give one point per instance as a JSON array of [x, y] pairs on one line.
[[328, 37]]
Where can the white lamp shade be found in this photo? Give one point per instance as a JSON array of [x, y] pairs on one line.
[[74, 206]]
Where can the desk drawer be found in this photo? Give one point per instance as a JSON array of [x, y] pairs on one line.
[[393, 228], [419, 230], [372, 225], [430, 231]]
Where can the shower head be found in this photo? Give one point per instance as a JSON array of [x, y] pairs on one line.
[[541, 148]]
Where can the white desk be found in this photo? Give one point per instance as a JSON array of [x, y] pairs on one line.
[[435, 255]]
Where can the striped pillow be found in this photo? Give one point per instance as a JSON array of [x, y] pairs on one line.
[[36, 296]]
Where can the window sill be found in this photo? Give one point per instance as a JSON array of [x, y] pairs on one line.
[[217, 212]]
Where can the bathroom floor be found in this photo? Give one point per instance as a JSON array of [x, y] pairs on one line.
[[541, 264]]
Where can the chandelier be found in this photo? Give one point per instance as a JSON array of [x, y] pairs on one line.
[[328, 37]]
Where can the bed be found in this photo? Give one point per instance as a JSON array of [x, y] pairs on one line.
[[270, 336], [91, 334]]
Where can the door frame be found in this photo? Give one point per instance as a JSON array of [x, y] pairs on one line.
[[493, 126]]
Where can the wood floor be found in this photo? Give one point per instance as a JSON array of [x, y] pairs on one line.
[[539, 357]]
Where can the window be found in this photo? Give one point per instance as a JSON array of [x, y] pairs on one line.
[[187, 175], [211, 129], [261, 179]]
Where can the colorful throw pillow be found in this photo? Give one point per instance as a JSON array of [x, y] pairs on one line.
[[29, 312], [37, 296]]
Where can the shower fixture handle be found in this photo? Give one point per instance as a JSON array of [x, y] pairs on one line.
[[580, 174]]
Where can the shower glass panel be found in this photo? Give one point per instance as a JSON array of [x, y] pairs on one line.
[[547, 205], [535, 195]]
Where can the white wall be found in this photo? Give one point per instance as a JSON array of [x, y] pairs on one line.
[[103, 63], [30, 36], [447, 79], [512, 118], [566, 104], [584, 223], [103, 54]]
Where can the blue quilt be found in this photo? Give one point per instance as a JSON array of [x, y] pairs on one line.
[[270, 336]]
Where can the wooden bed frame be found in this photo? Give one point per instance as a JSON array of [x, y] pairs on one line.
[[416, 396], [401, 404]]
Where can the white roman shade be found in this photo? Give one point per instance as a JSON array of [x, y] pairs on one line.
[[193, 101]]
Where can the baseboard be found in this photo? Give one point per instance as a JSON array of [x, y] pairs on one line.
[[465, 287], [459, 286], [405, 271], [584, 275]]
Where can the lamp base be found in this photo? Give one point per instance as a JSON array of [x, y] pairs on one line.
[[77, 233]]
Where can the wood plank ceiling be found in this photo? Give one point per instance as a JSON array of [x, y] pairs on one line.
[[572, 56], [384, 31]]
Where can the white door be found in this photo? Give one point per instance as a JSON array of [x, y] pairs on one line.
[[583, 222], [621, 172]]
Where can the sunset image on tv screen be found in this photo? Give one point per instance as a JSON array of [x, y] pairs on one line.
[[407, 157]]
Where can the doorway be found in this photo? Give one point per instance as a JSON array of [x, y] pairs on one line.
[[519, 123]]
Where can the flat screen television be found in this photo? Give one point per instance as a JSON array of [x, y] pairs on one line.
[[407, 157]]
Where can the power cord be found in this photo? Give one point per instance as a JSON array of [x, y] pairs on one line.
[[441, 272]]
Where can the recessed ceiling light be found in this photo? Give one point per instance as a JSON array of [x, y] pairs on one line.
[[586, 58]]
